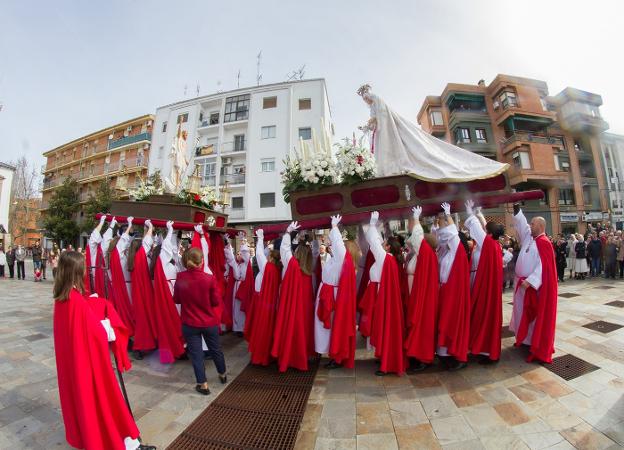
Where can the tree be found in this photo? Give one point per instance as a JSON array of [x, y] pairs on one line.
[[59, 221], [100, 202], [24, 209]]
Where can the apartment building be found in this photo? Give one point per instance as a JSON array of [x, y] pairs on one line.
[[7, 172], [118, 154], [239, 139], [613, 161], [552, 143]]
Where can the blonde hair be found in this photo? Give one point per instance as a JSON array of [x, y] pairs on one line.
[[354, 250], [193, 258], [304, 256]]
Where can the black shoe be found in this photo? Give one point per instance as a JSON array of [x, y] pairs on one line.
[[146, 447], [332, 365], [418, 367], [223, 379], [239, 334], [138, 355], [458, 366], [201, 390], [485, 360], [183, 357], [379, 373]]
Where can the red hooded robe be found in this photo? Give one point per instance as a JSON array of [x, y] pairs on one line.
[[119, 292], [486, 316], [422, 307], [145, 330], [245, 290], [342, 338], [94, 411], [261, 323]]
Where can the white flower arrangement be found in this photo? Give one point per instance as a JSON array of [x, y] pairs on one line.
[[145, 190], [355, 162]]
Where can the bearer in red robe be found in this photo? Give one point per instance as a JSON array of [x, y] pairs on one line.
[[486, 276], [381, 307], [293, 337], [95, 414], [454, 297], [534, 315], [422, 306], [120, 277], [94, 277]]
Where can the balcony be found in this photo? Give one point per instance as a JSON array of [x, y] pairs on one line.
[[236, 213], [233, 146], [521, 137], [238, 178], [129, 140]]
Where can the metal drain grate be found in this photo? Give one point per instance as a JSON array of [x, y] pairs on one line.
[[260, 409], [569, 295], [602, 326], [506, 332], [616, 303], [569, 367]]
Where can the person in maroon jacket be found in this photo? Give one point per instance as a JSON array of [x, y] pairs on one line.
[[200, 298]]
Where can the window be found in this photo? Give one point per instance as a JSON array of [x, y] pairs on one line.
[[236, 108], [305, 133], [207, 171], [268, 132], [161, 152], [269, 102], [139, 158], [237, 202], [239, 142], [544, 103], [481, 135], [462, 135], [305, 103], [214, 118], [436, 117], [562, 163], [267, 165], [267, 200], [521, 160], [566, 196], [183, 118], [508, 99]]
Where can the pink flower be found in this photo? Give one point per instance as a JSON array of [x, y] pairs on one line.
[[360, 159]]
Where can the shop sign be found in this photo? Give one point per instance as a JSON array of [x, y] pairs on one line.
[[568, 217], [590, 217]]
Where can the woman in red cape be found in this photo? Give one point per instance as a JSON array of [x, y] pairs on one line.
[[167, 318], [119, 292], [381, 307], [486, 315], [454, 296], [540, 306], [293, 337], [95, 414], [145, 330], [422, 306], [260, 320]]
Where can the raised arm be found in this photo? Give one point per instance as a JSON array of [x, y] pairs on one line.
[[168, 248], [204, 246], [125, 239], [338, 248], [260, 256], [285, 247], [418, 233], [522, 226], [231, 261], [148, 238], [96, 237], [474, 224], [374, 239]]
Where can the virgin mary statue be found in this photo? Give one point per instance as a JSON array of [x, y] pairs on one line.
[[402, 148]]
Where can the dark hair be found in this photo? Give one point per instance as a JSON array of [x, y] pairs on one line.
[[154, 259], [497, 230], [396, 248], [464, 241], [109, 250], [70, 274], [303, 253], [192, 258], [276, 258], [134, 248]]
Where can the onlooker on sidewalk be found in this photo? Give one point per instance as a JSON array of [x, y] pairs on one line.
[[561, 255], [44, 261], [620, 255], [20, 257], [10, 257], [610, 257], [581, 263], [36, 255], [3, 262], [594, 252]]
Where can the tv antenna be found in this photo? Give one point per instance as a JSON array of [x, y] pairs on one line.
[[296, 74], [258, 74], [238, 79], [219, 86], [197, 89], [185, 90]]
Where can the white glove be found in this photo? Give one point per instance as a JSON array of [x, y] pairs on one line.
[[170, 225], [292, 227], [148, 223], [335, 220], [113, 222], [110, 333], [416, 212], [102, 219], [478, 211], [129, 220], [469, 207], [199, 229], [447, 208], [374, 218], [260, 233]]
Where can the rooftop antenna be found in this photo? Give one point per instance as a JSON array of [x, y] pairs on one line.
[[197, 90], [296, 74], [258, 74], [238, 79], [219, 86], [185, 89]]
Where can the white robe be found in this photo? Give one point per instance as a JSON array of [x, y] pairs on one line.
[[401, 147], [477, 233], [375, 244], [414, 242], [261, 259], [240, 272], [448, 243], [330, 275], [95, 239], [529, 266]]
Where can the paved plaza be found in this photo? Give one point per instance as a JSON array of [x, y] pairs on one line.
[[512, 405]]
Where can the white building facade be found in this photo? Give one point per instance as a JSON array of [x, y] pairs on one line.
[[6, 182], [613, 161], [240, 138]]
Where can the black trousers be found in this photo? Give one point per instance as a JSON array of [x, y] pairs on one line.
[[11, 270], [621, 263], [2, 270], [20, 270], [193, 338]]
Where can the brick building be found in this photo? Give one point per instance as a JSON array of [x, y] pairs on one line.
[[119, 154], [552, 143]]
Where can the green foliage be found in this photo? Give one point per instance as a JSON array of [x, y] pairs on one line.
[[59, 222], [100, 202]]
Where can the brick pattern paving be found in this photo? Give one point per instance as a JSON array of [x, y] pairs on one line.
[[507, 406]]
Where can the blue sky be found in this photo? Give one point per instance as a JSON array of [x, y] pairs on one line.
[[68, 68]]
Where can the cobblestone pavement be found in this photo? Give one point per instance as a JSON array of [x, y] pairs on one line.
[[507, 406]]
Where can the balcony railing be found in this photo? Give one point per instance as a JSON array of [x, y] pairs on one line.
[[129, 140], [232, 179], [532, 137], [234, 146]]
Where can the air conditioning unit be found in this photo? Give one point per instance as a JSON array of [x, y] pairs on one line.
[[226, 161], [496, 105], [111, 136], [565, 164]]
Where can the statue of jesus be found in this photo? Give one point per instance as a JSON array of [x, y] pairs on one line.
[[179, 161]]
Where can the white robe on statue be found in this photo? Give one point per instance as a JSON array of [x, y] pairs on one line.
[[401, 147], [330, 275], [529, 266]]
